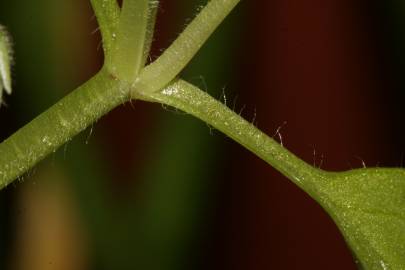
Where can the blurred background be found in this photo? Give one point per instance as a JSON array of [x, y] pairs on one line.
[[149, 187]]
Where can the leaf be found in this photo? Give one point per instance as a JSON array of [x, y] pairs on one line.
[[5, 62], [368, 205]]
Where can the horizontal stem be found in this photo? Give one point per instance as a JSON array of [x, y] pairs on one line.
[[46, 133], [190, 99]]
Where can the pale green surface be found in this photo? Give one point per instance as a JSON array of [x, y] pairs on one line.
[[107, 13], [128, 52], [5, 62], [367, 204]]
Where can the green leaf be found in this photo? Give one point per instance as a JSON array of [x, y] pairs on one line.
[[368, 205], [5, 62]]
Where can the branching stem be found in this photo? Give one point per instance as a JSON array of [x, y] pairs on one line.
[[158, 74]]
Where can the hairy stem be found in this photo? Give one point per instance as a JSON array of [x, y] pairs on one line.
[[129, 49], [158, 74], [46, 133], [107, 14], [190, 99], [150, 30]]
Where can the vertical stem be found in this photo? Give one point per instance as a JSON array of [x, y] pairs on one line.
[[150, 30], [129, 48], [107, 14]]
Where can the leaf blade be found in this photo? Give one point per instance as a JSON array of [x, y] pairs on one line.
[[368, 206]]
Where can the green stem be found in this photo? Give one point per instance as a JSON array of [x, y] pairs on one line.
[[190, 99], [46, 133], [129, 49], [107, 14], [111, 87], [158, 74], [150, 30]]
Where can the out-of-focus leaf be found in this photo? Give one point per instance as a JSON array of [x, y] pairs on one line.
[[5, 62]]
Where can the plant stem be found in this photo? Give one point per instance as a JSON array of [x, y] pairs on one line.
[[158, 74], [129, 48], [107, 14], [150, 30], [111, 86], [71, 115], [190, 99]]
